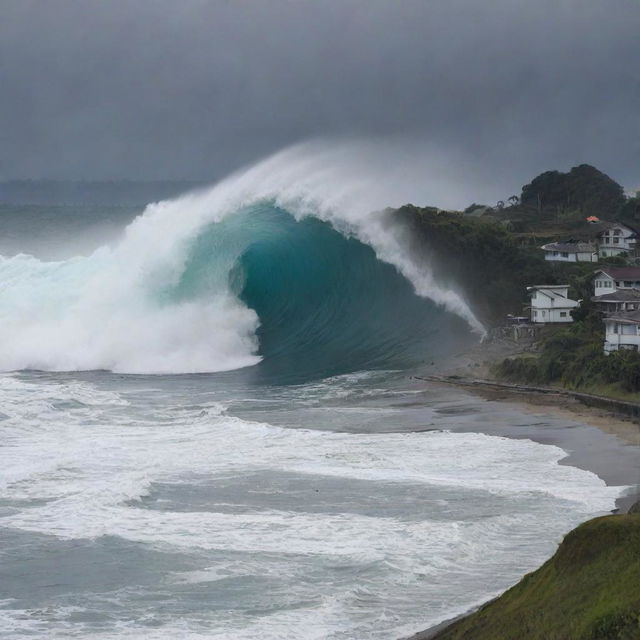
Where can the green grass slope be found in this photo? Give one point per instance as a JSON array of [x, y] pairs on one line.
[[589, 590]]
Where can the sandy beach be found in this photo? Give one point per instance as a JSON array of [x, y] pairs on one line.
[[476, 364]]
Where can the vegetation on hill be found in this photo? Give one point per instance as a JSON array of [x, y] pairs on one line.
[[584, 189], [574, 358], [555, 205], [589, 590], [630, 211]]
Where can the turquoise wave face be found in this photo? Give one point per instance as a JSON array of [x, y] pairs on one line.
[[261, 289], [326, 305]]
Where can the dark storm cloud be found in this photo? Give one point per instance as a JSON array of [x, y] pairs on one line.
[[194, 88]]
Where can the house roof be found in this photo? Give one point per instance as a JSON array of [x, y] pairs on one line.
[[554, 294], [570, 247], [629, 317], [552, 291], [620, 273], [621, 295]]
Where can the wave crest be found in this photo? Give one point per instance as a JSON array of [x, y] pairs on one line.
[[285, 263]]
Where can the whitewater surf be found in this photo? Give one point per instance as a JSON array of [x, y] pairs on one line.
[[208, 428]]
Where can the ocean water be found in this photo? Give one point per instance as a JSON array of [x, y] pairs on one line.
[[209, 429]]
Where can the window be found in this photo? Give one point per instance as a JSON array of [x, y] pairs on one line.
[[617, 232], [563, 314], [565, 254], [616, 240], [618, 283], [535, 313]]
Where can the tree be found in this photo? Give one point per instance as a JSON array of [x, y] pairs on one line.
[[584, 189], [630, 211]]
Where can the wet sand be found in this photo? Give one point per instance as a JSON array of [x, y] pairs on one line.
[[567, 407], [476, 364]]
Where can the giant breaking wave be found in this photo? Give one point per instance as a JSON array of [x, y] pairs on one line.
[[286, 264]]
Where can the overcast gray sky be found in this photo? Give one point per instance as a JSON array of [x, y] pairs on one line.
[[154, 89]]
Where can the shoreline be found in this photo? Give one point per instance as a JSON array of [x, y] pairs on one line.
[[464, 373], [562, 402]]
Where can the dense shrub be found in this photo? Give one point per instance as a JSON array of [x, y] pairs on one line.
[[574, 358]]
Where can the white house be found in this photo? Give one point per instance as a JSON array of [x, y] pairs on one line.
[[622, 331], [570, 252], [609, 279], [616, 239], [551, 303]]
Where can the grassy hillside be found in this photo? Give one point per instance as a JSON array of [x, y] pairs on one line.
[[589, 590]]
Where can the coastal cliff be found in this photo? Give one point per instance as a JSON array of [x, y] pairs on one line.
[[589, 590]]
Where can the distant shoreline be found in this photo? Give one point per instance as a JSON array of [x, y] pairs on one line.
[[104, 193]]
